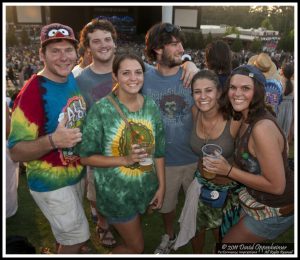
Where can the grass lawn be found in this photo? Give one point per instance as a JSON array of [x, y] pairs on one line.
[[30, 222]]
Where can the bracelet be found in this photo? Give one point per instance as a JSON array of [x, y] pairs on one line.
[[51, 141], [229, 171]]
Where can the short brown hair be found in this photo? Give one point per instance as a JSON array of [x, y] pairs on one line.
[[96, 24]]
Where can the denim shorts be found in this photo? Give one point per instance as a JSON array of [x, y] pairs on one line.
[[120, 220], [269, 228]]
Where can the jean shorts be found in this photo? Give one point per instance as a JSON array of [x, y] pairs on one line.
[[269, 228], [120, 220]]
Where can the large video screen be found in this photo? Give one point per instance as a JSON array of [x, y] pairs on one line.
[[186, 17], [29, 14]]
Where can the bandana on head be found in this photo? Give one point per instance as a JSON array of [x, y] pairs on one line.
[[251, 72]]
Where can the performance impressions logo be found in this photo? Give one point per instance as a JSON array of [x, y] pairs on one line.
[[255, 248]]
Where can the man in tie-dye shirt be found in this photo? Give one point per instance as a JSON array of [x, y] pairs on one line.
[[45, 127]]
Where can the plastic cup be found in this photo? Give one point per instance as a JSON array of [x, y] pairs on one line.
[[148, 148], [213, 151]]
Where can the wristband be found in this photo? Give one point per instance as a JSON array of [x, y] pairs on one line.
[[229, 171], [51, 141]]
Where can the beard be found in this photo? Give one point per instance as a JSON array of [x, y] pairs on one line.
[[169, 61]]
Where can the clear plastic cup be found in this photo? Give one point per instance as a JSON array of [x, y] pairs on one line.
[[148, 148], [213, 151]]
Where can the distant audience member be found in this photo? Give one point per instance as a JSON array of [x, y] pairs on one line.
[[85, 59], [285, 116], [12, 176], [218, 58], [273, 87]]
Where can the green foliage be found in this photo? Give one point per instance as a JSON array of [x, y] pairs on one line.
[[280, 17], [256, 46], [230, 15], [194, 40], [266, 23], [209, 38], [231, 30], [237, 44], [286, 42]]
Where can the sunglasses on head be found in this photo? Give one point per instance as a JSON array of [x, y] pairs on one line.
[[170, 27]]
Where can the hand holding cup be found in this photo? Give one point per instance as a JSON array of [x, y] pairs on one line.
[[211, 151]]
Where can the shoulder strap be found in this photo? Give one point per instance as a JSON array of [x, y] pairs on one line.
[[114, 103]]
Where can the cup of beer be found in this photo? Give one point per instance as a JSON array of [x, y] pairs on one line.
[[148, 148], [213, 151]]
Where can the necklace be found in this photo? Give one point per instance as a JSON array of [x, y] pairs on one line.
[[205, 133]]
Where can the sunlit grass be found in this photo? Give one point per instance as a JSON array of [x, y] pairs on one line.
[[30, 222]]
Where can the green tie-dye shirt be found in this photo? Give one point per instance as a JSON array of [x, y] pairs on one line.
[[122, 191]]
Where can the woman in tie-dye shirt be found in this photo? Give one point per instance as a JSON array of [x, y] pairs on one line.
[[124, 188]]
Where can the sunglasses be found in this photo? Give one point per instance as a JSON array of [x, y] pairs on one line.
[[171, 28]]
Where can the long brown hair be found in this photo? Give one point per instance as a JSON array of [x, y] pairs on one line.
[[257, 106]]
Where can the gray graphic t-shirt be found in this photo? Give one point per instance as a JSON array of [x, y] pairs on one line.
[[175, 104]]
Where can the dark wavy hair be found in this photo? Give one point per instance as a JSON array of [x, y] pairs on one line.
[[288, 72], [257, 107], [218, 57], [159, 35]]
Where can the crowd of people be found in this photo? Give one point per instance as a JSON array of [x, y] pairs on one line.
[[82, 138]]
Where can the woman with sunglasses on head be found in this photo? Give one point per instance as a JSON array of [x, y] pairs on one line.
[[260, 162], [211, 125]]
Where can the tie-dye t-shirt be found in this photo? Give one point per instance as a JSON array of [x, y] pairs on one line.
[[35, 114], [122, 191]]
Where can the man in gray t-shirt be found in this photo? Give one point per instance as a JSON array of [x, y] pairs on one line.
[[95, 82], [94, 86], [164, 85]]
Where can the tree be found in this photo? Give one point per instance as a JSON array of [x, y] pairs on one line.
[[199, 39], [231, 30], [267, 24], [286, 42], [209, 38], [256, 46], [194, 40], [237, 44], [280, 17]]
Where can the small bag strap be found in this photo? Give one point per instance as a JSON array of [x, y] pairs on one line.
[[110, 98], [134, 134]]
